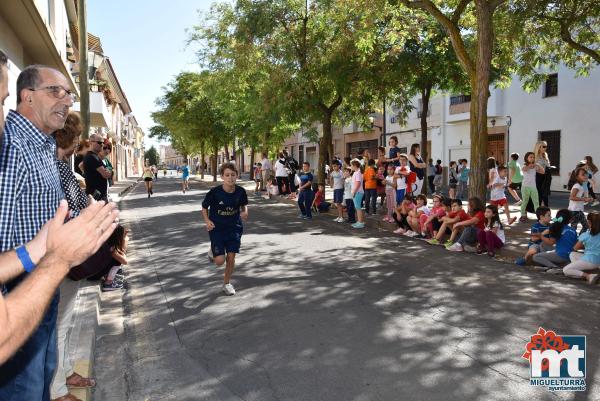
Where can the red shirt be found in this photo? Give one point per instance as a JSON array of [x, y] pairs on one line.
[[463, 216], [481, 223], [318, 198]]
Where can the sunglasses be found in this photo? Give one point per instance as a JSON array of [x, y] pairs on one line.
[[98, 142]]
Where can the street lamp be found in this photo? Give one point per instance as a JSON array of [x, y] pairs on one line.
[[373, 125], [94, 62]]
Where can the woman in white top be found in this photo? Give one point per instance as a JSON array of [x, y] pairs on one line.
[[281, 175]]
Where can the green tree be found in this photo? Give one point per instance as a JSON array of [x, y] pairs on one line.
[[553, 32], [151, 155], [470, 26]]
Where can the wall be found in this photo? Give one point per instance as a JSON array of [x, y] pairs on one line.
[[575, 112]]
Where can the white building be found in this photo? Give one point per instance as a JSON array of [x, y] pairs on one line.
[[564, 112]]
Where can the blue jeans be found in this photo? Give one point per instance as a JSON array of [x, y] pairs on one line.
[[371, 200], [351, 210], [27, 376], [305, 202]]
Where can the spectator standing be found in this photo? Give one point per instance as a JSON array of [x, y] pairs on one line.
[[515, 178], [417, 165], [370, 187], [292, 167], [265, 170], [437, 179], [463, 178], [82, 149], [281, 175], [394, 152], [431, 175], [337, 184], [592, 171], [185, 177], [529, 189], [578, 197], [67, 140], [105, 154], [96, 173], [452, 179], [305, 192], [348, 199], [543, 179], [30, 193]]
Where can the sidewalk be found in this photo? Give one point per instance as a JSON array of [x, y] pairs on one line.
[[82, 341], [517, 235]]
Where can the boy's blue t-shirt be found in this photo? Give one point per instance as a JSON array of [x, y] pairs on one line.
[[224, 207], [464, 174], [591, 254], [186, 171], [537, 228], [566, 242], [305, 177]]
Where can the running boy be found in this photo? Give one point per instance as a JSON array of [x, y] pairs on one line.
[[223, 209]]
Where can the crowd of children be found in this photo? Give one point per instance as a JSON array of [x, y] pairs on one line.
[[553, 242]]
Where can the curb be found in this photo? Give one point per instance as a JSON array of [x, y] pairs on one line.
[[82, 341]]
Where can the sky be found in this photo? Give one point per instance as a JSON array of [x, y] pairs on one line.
[[146, 43]]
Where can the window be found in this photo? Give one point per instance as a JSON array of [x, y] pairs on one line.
[[300, 154], [460, 99], [354, 147], [552, 138], [551, 86], [393, 119], [51, 11]]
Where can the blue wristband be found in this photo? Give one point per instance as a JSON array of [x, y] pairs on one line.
[[26, 261]]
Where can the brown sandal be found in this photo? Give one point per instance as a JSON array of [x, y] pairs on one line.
[[78, 381]]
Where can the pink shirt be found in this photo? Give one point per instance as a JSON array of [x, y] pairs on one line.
[[357, 177]]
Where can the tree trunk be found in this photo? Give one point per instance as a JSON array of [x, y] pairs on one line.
[[226, 152], [252, 155], [324, 143], [265, 144], [214, 163], [425, 95], [479, 100]]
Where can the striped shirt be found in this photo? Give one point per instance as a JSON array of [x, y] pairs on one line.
[[30, 189]]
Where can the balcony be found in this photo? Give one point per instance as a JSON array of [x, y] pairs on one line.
[[99, 114]]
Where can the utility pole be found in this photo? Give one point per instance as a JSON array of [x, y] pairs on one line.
[[84, 90]]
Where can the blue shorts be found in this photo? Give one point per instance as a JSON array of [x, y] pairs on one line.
[[222, 242], [400, 193], [358, 200], [338, 195]]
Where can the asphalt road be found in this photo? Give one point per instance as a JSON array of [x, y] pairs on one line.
[[323, 313]]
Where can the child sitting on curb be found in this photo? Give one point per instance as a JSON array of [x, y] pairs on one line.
[[414, 217], [437, 212], [589, 241], [536, 245], [319, 202], [492, 236], [400, 216], [468, 229], [456, 215], [561, 234]]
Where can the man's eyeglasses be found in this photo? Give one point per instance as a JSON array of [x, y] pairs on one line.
[[57, 91]]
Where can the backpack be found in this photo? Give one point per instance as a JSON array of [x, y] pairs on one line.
[[292, 165]]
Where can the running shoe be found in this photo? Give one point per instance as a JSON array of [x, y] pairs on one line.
[[523, 219], [556, 270], [455, 248], [593, 279], [448, 243], [470, 248], [228, 289], [410, 233], [595, 203], [521, 262], [399, 231], [340, 220], [358, 225], [433, 241]]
